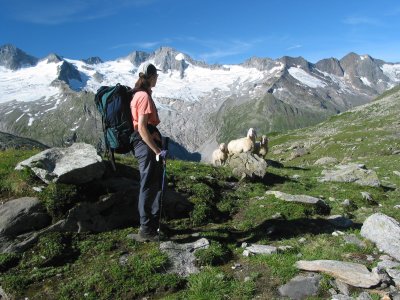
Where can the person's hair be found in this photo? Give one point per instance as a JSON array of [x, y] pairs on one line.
[[143, 83]]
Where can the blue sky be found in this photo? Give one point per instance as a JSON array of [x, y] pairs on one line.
[[209, 30]]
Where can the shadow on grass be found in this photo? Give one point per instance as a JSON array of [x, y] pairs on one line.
[[272, 230]]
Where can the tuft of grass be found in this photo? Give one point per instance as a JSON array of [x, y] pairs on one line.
[[215, 254], [58, 198], [8, 260], [213, 284], [12, 182]]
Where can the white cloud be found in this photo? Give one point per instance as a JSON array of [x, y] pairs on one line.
[[294, 47]]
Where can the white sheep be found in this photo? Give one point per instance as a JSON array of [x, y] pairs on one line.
[[261, 147], [245, 144], [220, 155]]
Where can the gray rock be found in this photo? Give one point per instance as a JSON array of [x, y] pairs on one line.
[[22, 215], [351, 273], [353, 239], [301, 287], [298, 153], [388, 264], [261, 249], [395, 275], [326, 161], [321, 204], [247, 165], [3, 295], [364, 296], [341, 297], [384, 231], [342, 287], [182, 256], [77, 164], [352, 172], [340, 221]]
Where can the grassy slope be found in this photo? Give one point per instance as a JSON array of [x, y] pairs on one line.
[[227, 212]]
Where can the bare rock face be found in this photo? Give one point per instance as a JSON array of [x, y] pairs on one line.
[[384, 231], [351, 273], [77, 164]]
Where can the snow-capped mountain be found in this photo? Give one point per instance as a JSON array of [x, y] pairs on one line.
[[199, 104]]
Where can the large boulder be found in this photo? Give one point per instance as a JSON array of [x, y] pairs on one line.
[[351, 273], [384, 231], [352, 172], [247, 165], [22, 215], [77, 164]]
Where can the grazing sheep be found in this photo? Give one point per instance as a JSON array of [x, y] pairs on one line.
[[261, 147], [245, 144], [220, 155]]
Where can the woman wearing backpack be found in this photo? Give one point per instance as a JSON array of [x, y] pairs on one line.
[[148, 151]]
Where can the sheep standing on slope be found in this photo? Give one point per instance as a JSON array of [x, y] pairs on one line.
[[261, 147], [245, 144], [220, 155]]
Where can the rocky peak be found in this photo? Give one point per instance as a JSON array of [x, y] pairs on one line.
[[53, 58], [364, 71], [13, 58], [138, 57], [349, 60], [259, 63], [330, 65], [94, 60], [296, 62]]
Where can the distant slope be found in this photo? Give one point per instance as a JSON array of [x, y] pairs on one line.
[[9, 141]]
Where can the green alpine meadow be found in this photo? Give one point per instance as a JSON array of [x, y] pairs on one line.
[[234, 214]]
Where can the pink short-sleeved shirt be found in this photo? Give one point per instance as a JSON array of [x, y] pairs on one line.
[[143, 104]]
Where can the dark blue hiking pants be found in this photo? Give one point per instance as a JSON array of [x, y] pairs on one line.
[[151, 173]]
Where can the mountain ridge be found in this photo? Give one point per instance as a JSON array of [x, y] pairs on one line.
[[196, 101]]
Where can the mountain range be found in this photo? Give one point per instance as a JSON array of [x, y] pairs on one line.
[[50, 99]]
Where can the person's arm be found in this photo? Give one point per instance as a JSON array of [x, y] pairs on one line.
[[145, 134]]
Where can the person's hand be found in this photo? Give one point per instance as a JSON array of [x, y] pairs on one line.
[[162, 155]]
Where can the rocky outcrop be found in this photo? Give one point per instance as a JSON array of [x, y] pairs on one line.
[[77, 164], [384, 231], [356, 173]]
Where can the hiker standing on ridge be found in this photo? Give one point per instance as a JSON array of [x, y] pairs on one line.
[[148, 151]]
